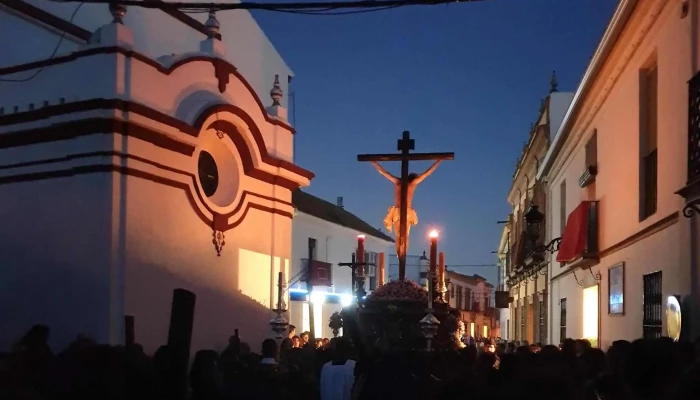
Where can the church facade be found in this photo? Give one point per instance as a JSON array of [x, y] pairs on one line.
[[128, 172]]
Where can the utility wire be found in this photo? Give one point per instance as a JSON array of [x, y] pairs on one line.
[[309, 6], [53, 53]]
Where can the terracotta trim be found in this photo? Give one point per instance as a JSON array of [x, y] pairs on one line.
[[657, 226], [228, 127], [102, 168], [73, 129], [222, 70], [47, 18]]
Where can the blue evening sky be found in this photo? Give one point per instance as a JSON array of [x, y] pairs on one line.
[[463, 77]]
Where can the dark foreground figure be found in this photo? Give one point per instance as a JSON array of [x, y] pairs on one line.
[[645, 369]]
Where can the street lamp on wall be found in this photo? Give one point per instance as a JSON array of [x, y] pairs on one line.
[[533, 220]]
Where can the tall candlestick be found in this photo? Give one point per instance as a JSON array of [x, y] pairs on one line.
[[441, 271], [361, 249], [280, 280], [433, 252], [381, 269]]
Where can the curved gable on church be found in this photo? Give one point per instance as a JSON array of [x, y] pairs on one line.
[[145, 175]]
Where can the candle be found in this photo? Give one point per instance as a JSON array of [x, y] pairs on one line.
[[433, 252], [441, 270], [381, 269], [361, 250]]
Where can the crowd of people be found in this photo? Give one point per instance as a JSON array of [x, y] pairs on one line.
[[303, 368]]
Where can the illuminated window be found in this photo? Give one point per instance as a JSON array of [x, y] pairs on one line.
[[590, 314]]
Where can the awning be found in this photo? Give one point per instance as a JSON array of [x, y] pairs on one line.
[[574, 240]]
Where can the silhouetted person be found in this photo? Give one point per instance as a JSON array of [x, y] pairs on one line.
[[205, 380]]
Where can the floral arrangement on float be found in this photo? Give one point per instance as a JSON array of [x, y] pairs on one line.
[[399, 290], [336, 323]]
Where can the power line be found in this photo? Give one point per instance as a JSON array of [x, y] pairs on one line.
[[455, 265], [53, 53], [319, 7]]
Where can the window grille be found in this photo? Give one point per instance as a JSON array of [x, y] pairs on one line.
[[653, 305], [562, 320]]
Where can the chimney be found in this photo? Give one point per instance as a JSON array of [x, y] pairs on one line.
[[339, 202]]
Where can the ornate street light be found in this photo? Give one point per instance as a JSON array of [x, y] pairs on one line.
[[533, 221]]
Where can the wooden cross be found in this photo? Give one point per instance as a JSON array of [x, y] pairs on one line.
[[405, 145], [354, 264]]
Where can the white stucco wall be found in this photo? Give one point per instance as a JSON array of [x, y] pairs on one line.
[[334, 244], [86, 250], [616, 186]]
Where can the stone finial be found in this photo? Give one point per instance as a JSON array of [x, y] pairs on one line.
[[553, 82], [276, 92], [212, 25], [118, 12]]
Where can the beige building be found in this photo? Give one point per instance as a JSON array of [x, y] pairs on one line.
[[525, 276], [472, 296], [614, 169]]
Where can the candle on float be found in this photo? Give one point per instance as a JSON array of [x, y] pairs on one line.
[[381, 269], [433, 252], [441, 270], [361, 250]]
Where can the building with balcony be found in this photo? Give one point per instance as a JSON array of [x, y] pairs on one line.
[[473, 297], [327, 234], [522, 263], [615, 169], [149, 152]]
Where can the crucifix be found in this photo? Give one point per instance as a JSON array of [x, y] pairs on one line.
[[401, 215], [354, 264]]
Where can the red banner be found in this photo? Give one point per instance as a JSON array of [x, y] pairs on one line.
[[321, 273]]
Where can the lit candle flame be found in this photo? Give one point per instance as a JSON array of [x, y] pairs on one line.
[[433, 234]]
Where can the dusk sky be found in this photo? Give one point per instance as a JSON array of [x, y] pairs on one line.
[[464, 77]]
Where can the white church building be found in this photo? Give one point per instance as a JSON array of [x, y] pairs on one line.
[[141, 157]]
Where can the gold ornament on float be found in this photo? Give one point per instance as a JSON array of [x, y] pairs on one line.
[[673, 318]]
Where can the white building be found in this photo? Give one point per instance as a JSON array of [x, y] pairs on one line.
[[613, 171], [331, 232], [138, 159]]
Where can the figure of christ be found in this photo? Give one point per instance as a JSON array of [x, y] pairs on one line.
[[393, 216]]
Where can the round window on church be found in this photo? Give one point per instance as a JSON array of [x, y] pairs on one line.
[[208, 173]]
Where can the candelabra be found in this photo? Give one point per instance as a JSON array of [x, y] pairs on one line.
[[279, 323], [429, 324]]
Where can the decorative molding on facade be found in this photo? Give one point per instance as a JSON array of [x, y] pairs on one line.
[[218, 225], [586, 116]]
